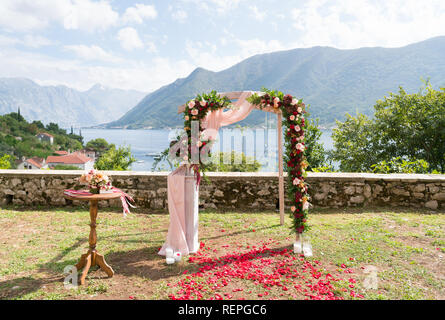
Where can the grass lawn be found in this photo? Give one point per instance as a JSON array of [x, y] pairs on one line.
[[243, 256]]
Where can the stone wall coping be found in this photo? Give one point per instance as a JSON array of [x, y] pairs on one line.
[[311, 175]]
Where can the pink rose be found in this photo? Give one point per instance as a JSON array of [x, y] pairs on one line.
[[202, 103], [293, 208], [299, 109], [195, 112], [186, 118], [297, 128], [300, 146], [275, 102], [191, 104], [294, 101], [292, 118], [296, 181]]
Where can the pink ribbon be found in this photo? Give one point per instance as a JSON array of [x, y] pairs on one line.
[[125, 198]]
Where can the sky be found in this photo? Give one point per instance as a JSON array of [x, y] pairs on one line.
[[144, 45]]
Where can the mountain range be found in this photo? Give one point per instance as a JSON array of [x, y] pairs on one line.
[[64, 105], [332, 81]]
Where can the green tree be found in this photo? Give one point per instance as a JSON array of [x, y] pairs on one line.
[[5, 161], [248, 164], [65, 167], [410, 126], [315, 152], [354, 145], [115, 159], [413, 125], [399, 165], [99, 145]]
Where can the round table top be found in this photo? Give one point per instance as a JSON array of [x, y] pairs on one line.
[[94, 197]]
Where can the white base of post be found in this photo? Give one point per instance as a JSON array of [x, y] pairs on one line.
[[191, 212], [302, 246]]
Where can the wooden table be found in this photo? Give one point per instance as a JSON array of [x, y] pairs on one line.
[[92, 257]]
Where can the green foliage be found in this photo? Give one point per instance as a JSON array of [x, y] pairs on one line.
[[99, 145], [399, 165], [410, 126], [5, 161], [18, 137], [413, 125], [248, 164], [115, 159], [354, 145], [327, 168], [65, 167], [316, 155]]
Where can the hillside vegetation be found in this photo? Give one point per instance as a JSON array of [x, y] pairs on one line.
[[18, 137]]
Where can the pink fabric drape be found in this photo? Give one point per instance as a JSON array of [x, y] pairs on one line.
[[176, 237], [220, 118], [176, 207]]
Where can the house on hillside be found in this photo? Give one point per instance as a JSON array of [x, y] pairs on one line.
[[61, 153], [74, 159], [45, 137], [33, 163], [90, 153]]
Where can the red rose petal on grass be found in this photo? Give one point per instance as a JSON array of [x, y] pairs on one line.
[[131, 297], [262, 266]]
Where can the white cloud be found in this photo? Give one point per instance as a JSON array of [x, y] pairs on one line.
[[257, 14], [139, 13], [34, 41], [208, 56], [85, 15], [28, 40], [129, 39], [180, 15], [91, 53], [129, 74], [357, 23], [220, 6], [151, 47]]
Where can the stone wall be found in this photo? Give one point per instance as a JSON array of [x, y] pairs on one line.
[[231, 191]]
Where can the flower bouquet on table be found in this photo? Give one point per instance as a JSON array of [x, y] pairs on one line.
[[97, 182]]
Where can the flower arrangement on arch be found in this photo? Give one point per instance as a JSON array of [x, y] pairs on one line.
[[196, 110], [96, 181], [293, 111]]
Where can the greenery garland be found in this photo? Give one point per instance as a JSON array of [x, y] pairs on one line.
[[293, 111], [196, 110]]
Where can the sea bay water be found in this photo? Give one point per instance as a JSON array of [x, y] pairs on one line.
[[145, 143]]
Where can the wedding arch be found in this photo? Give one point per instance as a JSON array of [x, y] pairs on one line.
[[206, 114]]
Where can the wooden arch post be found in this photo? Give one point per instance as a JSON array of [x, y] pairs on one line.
[[234, 95], [280, 168]]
